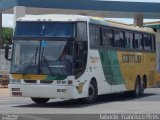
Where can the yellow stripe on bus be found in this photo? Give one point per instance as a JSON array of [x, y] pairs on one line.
[[28, 77]]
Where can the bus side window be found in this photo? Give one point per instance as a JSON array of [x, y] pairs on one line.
[[117, 38], [94, 34], [138, 41], [129, 39], [107, 37], [98, 38], [122, 40], [80, 57], [81, 31], [153, 42], [147, 42]]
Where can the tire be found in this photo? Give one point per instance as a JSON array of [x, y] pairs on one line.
[[92, 93], [40, 100], [142, 87], [138, 91]]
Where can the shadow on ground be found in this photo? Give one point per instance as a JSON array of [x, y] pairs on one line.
[[117, 97]]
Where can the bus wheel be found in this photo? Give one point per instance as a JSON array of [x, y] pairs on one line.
[[137, 92], [92, 93], [143, 85], [40, 100]]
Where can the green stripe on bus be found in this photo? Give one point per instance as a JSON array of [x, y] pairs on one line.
[[111, 67]]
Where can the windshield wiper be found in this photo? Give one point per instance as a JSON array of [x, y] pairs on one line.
[[33, 59]]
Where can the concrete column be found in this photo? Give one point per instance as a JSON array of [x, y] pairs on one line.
[[1, 44], [138, 20], [19, 11]]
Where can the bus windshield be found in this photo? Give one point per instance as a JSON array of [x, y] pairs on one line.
[[54, 48], [44, 29], [40, 57]]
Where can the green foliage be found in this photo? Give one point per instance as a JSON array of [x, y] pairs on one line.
[[7, 35]]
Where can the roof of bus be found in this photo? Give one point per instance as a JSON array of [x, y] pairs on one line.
[[93, 20], [103, 21]]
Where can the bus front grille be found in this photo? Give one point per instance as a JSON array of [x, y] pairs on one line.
[[46, 81], [30, 81], [37, 81]]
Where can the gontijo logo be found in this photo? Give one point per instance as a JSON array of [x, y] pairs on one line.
[[131, 58]]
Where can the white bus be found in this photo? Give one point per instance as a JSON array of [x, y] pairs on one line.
[[74, 56]]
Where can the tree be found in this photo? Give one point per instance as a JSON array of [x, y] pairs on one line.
[[7, 35]]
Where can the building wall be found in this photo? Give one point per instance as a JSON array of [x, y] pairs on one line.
[[4, 64]]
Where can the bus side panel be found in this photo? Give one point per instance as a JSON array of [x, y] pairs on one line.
[[133, 64], [93, 71], [95, 68], [150, 68], [111, 69]]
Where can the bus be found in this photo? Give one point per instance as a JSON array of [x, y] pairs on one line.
[[79, 57]]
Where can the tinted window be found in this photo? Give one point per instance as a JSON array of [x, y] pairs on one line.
[[94, 34], [119, 38], [98, 38], [44, 29], [153, 42], [122, 40], [138, 41], [147, 42], [107, 37], [81, 31], [129, 39]]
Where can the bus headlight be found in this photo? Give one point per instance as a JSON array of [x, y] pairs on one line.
[[62, 82]]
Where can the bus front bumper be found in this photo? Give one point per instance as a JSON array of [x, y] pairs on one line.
[[42, 91]]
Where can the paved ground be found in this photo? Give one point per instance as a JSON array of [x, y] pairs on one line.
[[112, 103]]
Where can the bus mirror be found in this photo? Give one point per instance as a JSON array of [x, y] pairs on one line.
[[8, 55]]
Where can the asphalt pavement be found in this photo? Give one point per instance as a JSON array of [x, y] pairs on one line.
[[111, 103]]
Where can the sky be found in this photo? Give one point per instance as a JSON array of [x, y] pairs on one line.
[[7, 20], [158, 1]]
